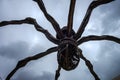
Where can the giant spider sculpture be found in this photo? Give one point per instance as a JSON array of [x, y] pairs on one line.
[[67, 41]]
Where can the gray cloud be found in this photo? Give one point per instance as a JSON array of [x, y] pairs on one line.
[[108, 64], [111, 17], [15, 50], [31, 76]]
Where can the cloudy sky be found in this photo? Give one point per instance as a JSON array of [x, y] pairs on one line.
[[20, 41]]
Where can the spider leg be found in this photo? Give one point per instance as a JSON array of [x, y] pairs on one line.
[[70, 16], [24, 61], [57, 73], [94, 37], [36, 25], [89, 65], [49, 18], [85, 21]]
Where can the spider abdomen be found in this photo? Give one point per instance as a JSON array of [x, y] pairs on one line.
[[68, 57]]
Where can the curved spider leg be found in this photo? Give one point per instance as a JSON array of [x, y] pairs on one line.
[[57, 72], [50, 18], [70, 16], [94, 37], [24, 61], [89, 65], [85, 21], [36, 25]]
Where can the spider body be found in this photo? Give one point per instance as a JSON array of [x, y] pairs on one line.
[[67, 41], [67, 56]]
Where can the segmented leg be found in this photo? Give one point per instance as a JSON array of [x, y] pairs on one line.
[[32, 21], [49, 18], [85, 21], [89, 65], [70, 16], [23, 62], [95, 38], [57, 73]]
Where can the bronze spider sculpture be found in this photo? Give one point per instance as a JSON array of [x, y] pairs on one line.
[[67, 40]]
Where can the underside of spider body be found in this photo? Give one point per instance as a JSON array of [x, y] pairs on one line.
[[68, 56]]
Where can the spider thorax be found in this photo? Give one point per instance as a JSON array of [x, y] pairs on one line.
[[68, 57]]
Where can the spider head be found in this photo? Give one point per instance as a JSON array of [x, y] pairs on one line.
[[65, 32]]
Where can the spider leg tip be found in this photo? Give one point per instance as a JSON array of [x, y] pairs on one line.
[[35, 0]]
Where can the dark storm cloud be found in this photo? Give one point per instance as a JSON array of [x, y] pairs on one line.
[[20, 49], [108, 64], [14, 50], [111, 16], [30, 76]]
